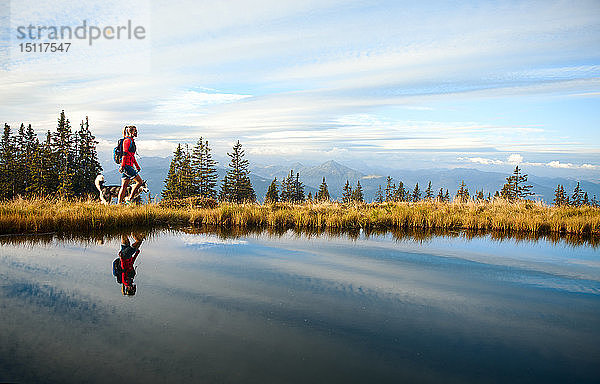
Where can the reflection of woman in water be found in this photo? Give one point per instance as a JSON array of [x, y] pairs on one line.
[[123, 266]]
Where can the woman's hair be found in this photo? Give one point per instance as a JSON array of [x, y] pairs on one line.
[[126, 130]]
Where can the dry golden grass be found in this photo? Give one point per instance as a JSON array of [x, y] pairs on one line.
[[45, 215], [30, 216]]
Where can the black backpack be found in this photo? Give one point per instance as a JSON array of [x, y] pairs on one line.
[[118, 271], [118, 151]]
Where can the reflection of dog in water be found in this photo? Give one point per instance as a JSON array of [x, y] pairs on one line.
[[108, 192], [123, 268]]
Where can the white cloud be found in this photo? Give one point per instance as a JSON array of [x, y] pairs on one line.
[[514, 159], [207, 240], [186, 106], [315, 77], [275, 150], [586, 94], [481, 160], [103, 56], [558, 164]]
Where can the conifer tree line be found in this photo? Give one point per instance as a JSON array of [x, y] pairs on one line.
[[399, 193], [292, 190], [352, 196], [577, 199], [514, 189], [63, 164], [193, 173]]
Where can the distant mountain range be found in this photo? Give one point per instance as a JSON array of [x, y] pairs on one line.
[[155, 169]]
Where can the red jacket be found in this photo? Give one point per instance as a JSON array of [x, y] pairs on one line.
[[127, 266], [128, 157]]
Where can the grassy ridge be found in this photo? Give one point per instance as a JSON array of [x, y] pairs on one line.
[[25, 216]]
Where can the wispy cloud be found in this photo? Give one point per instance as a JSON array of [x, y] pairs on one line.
[[326, 78], [517, 159]]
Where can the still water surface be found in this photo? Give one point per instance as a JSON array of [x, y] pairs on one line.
[[287, 308]]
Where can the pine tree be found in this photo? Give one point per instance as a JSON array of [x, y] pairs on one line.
[[440, 195], [389, 189], [37, 169], [31, 140], [209, 173], [196, 163], [429, 192], [347, 193], [50, 172], [20, 170], [585, 201], [463, 192], [33, 153], [447, 196], [479, 195], [357, 194], [379, 195], [186, 174], [7, 164], [272, 194], [86, 160], [226, 191], [577, 197], [560, 197], [515, 187], [236, 186], [400, 194], [557, 196], [594, 202], [522, 190], [323, 192], [416, 194], [287, 187], [506, 192], [309, 198], [298, 190], [172, 189], [62, 148], [204, 170]]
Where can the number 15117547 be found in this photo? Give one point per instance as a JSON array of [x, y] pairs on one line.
[[44, 47]]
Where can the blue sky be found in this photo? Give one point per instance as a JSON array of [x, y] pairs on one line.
[[373, 84]]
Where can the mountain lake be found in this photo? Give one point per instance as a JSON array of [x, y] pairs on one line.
[[287, 307]]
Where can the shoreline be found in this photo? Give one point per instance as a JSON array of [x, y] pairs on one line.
[[37, 216]]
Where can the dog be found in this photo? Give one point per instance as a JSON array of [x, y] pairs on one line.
[[108, 192]]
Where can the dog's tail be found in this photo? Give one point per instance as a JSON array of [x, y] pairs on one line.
[[99, 181]]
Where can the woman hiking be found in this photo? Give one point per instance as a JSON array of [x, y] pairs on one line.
[[123, 267], [127, 170]]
